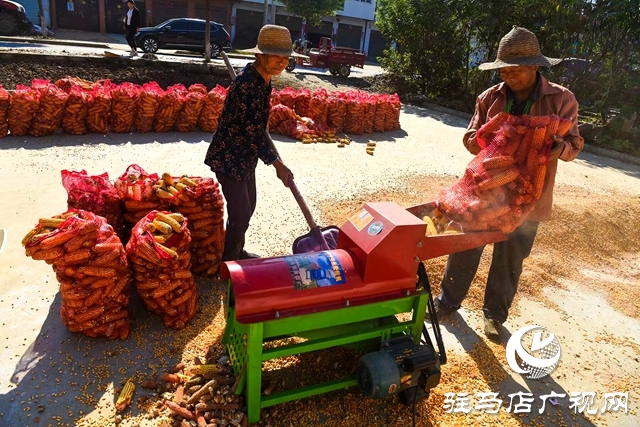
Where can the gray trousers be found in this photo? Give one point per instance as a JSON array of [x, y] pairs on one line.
[[241, 203], [504, 273]]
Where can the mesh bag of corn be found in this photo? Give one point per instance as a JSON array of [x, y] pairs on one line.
[[318, 107], [91, 266], [135, 189], [200, 201], [24, 105], [94, 193], [212, 109], [5, 103], [124, 99], [194, 102], [148, 100], [288, 97], [302, 99], [170, 105], [355, 115], [159, 254], [99, 107], [337, 110], [502, 184], [52, 102], [75, 111]]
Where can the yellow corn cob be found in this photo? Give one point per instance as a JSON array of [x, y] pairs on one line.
[[167, 178], [564, 127], [161, 238], [168, 251], [521, 153], [497, 162], [175, 225], [184, 274], [177, 216], [493, 124], [56, 240], [161, 226], [124, 399], [537, 141], [501, 177], [172, 190], [371, 144], [149, 253], [98, 271], [203, 369], [105, 258], [51, 222], [187, 181], [538, 181], [26, 239], [49, 254], [552, 128], [431, 226], [106, 247], [165, 289], [163, 194]]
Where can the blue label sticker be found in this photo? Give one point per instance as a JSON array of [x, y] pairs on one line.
[[375, 228], [315, 270]]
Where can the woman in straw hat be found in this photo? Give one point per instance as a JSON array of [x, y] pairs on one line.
[[242, 136], [524, 91]]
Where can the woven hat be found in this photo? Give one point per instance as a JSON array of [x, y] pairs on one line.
[[274, 40], [519, 47]]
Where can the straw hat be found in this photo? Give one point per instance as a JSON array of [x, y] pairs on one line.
[[519, 47], [274, 40]]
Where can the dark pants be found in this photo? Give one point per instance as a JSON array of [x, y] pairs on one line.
[[241, 203], [504, 273], [131, 38]]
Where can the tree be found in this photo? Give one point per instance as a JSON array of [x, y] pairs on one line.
[[207, 32], [313, 10]]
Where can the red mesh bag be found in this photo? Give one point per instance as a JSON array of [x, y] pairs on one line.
[[170, 105], [212, 109], [188, 118], [200, 201], [278, 114], [49, 115], [354, 118], [288, 97], [336, 111], [302, 99], [275, 97], [380, 116], [124, 99], [24, 105], [92, 269], [135, 189], [5, 103], [161, 261], [95, 194], [99, 107], [68, 83], [502, 184], [369, 113], [318, 108], [148, 100], [75, 111]]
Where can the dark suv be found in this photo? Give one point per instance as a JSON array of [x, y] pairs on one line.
[[183, 33], [13, 20]]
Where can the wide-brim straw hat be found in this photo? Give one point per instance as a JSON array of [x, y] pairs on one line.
[[519, 47], [274, 40]]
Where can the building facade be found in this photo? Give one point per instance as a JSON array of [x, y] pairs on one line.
[[353, 26]]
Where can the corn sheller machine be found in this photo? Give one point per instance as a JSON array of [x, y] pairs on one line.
[[346, 296]]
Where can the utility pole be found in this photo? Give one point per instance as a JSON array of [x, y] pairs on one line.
[[207, 33], [265, 18]]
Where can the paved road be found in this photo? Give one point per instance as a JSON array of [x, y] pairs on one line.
[[162, 55]]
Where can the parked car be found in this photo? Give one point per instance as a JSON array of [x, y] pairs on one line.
[[183, 33], [13, 20]]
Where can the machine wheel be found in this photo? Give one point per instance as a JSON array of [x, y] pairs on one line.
[[215, 50], [8, 25], [344, 71], [150, 45], [291, 65]]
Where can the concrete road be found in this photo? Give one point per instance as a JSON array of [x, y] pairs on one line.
[[58, 376]]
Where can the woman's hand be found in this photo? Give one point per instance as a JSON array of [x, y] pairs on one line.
[[283, 172]]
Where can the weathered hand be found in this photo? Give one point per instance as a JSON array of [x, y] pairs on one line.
[[557, 148], [283, 172]]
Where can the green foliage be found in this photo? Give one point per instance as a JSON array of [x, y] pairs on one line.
[[313, 10]]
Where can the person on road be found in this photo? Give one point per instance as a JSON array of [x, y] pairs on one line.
[[132, 25], [242, 136], [523, 91]]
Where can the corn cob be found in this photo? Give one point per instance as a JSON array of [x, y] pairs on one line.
[[134, 205], [538, 138], [165, 289], [48, 254], [106, 258], [101, 248], [177, 216], [168, 251], [538, 181], [493, 124], [89, 315], [167, 178], [79, 256], [182, 298], [184, 274], [119, 286], [552, 128], [162, 238], [124, 399], [564, 127], [188, 181], [102, 283], [148, 252], [98, 271], [51, 222], [30, 235], [523, 149], [203, 369], [499, 178], [175, 225], [172, 190], [497, 162], [163, 194], [491, 213], [93, 298], [159, 226], [535, 121]]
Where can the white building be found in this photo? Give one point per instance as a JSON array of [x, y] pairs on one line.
[[353, 26]]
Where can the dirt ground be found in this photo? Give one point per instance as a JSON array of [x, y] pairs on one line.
[[582, 280]]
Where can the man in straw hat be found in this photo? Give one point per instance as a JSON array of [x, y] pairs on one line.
[[242, 136], [524, 91]]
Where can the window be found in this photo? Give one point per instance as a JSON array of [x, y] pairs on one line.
[[179, 26], [365, 1]]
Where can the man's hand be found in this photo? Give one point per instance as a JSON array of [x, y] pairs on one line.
[[283, 172], [557, 148]]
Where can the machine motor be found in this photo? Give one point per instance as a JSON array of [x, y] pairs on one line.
[[399, 367]]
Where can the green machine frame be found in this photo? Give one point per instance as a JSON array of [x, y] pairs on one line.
[[360, 325]]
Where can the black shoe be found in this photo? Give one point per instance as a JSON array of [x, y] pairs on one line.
[[492, 328], [248, 255], [442, 310]]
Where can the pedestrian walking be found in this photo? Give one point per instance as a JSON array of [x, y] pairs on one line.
[[132, 25]]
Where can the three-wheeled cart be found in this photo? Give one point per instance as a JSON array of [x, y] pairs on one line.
[[337, 59]]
